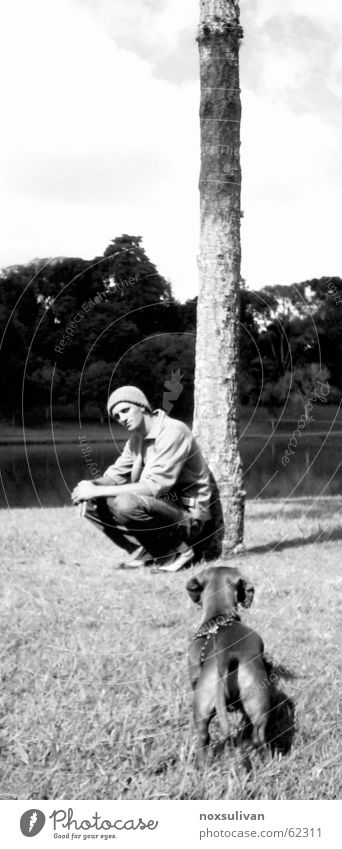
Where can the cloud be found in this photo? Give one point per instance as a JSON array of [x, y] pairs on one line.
[[290, 227], [68, 82], [93, 144], [326, 17], [282, 151], [153, 24]]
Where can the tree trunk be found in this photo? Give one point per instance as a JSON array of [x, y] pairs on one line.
[[216, 394]]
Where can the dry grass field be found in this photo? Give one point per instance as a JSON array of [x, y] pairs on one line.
[[95, 698]]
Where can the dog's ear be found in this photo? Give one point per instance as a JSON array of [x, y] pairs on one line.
[[245, 592], [195, 588]]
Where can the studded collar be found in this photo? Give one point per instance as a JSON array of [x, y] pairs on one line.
[[212, 626]]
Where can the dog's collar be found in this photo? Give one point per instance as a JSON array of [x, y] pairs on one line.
[[213, 625]]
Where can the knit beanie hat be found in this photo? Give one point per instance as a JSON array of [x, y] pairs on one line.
[[129, 394]]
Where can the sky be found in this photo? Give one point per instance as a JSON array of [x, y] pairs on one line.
[[100, 134]]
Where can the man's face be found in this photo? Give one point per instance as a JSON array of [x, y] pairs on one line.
[[129, 415]]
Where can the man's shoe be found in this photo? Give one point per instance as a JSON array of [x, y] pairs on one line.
[[141, 558], [181, 559]]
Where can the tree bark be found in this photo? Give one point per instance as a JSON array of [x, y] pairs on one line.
[[216, 391]]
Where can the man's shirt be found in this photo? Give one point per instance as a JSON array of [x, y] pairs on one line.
[[168, 458]]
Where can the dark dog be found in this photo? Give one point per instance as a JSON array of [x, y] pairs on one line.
[[226, 660]]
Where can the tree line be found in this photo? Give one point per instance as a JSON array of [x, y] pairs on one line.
[[72, 328]]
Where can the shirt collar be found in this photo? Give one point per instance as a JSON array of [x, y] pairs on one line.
[[159, 418]]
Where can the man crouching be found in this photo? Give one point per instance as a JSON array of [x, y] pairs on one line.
[[155, 499]]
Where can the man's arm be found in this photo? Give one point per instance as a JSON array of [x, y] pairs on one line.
[[117, 475], [120, 471], [87, 490]]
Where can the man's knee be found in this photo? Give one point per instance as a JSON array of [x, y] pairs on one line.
[[125, 507]]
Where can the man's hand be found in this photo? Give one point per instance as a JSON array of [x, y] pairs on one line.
[[84, 491]]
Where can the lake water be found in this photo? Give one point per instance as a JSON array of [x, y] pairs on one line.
[[45, 474]]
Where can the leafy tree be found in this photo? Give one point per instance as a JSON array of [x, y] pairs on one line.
[[20, 312], [136, 283], [250, 361], [130, 324]]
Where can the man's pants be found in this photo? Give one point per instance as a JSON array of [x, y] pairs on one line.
[[133, 520]]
